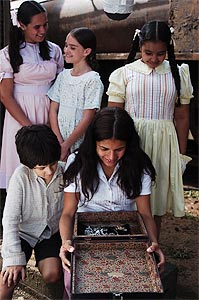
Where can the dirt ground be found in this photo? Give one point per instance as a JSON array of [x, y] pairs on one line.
[[179, 241]]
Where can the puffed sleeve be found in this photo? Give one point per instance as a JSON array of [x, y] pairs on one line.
[[54, 91], [60, 60], [186, 86], [56, 56], [117, 87], [6, 70], [93, 92]]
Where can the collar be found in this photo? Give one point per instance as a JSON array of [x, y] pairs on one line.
[[59, 172], [101, 172], [141, 67], [31, 45]]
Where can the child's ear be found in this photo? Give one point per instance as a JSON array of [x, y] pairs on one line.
[[22, 26], [87, 51]]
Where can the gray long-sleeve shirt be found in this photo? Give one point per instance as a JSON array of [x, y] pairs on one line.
[[32, 211]]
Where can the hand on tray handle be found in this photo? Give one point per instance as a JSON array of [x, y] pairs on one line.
[[161, 259], [65, 249]]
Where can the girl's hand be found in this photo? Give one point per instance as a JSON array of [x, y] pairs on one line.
[[65, 152], [184, 161], [155, 248], [65, 248], [11, 275]]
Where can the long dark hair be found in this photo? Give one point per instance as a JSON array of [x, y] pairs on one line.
[[157, 31], [109, 123], [26, 11], [87, 39]]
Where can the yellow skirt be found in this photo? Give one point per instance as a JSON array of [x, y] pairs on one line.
[[159, 141]]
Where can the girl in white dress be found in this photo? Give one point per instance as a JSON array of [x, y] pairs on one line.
[[156, 93], [77, 92], [28, 66]]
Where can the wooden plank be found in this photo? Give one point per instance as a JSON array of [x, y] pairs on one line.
[[123, 56]]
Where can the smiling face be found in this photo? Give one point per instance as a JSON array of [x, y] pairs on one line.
[[35, 31], [74, 51], [110, 152], [153, 53], [46, 172]]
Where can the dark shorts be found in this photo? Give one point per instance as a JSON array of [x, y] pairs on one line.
[[44, 249]]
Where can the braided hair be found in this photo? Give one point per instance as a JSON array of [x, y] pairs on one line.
[[157, 31], [26, 11]]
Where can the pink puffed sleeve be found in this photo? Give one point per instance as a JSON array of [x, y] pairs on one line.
[[6, 70], [117, 87], [57, 56]]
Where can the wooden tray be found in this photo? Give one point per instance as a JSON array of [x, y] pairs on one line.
[[114, 269], [102, 220]]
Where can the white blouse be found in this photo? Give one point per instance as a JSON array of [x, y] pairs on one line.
[[109, 196]]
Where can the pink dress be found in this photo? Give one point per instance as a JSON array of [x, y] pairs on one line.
[[31, 85]]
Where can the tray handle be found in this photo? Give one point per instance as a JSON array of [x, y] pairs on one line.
[[118, 296]]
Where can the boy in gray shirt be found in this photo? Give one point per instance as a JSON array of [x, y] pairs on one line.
[[32, 210]]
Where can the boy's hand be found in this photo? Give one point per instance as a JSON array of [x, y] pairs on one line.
[[12, 275], [65, 248]]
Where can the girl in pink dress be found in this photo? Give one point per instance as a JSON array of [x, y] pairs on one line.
[[28, 66], [155, 92]]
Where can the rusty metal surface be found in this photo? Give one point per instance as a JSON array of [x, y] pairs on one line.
[[184, 17], [112, 36]]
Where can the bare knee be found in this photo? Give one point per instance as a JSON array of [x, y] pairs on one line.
[[52, 276], [50, 269], [6, 292]]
